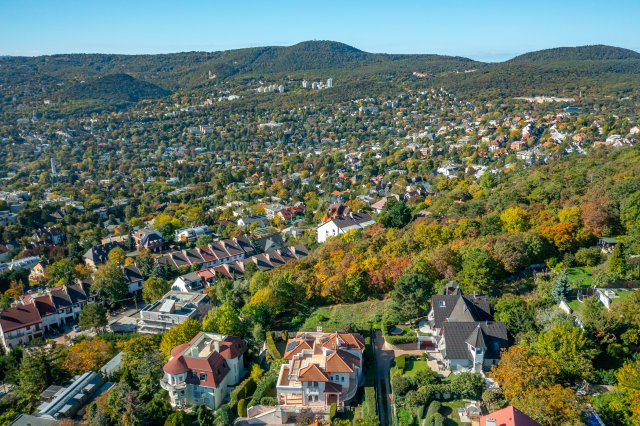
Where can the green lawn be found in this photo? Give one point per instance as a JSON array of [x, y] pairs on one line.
[[342, 317], [450, 410], [580, 276], [412, 367]]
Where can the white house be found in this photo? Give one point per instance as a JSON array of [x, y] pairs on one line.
[[341, 224]]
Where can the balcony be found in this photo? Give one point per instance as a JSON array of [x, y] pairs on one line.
[[170, 387]]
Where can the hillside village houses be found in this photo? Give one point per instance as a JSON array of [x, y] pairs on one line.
[[39, 312], [202, 371]]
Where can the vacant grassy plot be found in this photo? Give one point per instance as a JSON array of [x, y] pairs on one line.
[[343, 317], [580, 276]]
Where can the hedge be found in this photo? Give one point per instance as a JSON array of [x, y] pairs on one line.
[[434, 408], [333, 409], [438, 419], [242, 408], [369, 405], [268, 400], [400, 339], [242, 391], [271, 347], [266, 383], [401, 363]]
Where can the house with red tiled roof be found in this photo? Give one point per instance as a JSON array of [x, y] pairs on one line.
[[321, 369], [19, 325], [508, 416], [202, 371]]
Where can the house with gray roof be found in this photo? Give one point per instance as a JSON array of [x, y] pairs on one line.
[[465, 333]]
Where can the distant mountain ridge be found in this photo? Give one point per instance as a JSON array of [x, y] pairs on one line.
[[559, 71], [598, 52]]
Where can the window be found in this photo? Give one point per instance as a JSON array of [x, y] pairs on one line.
[[203, 377], [442, 304], [342, 378]]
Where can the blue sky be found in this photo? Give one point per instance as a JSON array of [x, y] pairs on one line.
[[485, 30]]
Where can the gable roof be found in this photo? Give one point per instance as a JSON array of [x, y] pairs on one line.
[[341, 362], [312, 373], [509, 416], [347, 341], [458, 334], [470, 308], [19, 317]]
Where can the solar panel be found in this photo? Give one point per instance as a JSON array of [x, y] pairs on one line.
[[292, 345]]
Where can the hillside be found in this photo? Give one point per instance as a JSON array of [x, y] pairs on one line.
[[595, 71], [581, 53], [115, 87]]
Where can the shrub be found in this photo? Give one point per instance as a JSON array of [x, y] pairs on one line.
[[468, 385], [438, 419], [242, 391], [266, 383], [272, 350], [401, 385], [588, 256], [268, 400], [405, 417], [369, 405], [434, 408], [242, 408], [401, 362], [333, 409]]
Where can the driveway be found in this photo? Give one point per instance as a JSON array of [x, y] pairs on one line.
[[384, 357]]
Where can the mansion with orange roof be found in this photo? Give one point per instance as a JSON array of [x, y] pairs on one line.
[[321, 369]]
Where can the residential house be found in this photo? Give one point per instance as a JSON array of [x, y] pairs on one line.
[[462, 329], [321, 369], [259, 219], [202, 371], [19, 325], [341, 224], [59, 305], [379, 205], [289, 214], [98, 255], [17, 264], [508, 416], [269, 243], [215, 254], [174, 308], [271, 210], [149, 239], [192, 234], [135, 279]]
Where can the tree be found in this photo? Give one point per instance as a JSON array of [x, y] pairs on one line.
[[224, 320], [410, 295], [395, 214], [515, 219], [88, 355], [178, 418], [511, 250], [479, 272], [154, 288], [204, 241], [516, 313], [560, 288], [110, 282], [550, 406], [179, 334], [520, 370], [630, 210], [92, 316], [618, 264], [567, 345], [117, 256], [62, 272], [38, 370]]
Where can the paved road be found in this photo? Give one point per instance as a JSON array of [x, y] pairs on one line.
[[383, 365]]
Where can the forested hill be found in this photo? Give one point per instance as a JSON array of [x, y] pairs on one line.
[[595, 71], [582, 53], [115, 87]]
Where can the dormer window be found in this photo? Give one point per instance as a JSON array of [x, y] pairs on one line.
[[442, 304], [203, 377]]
